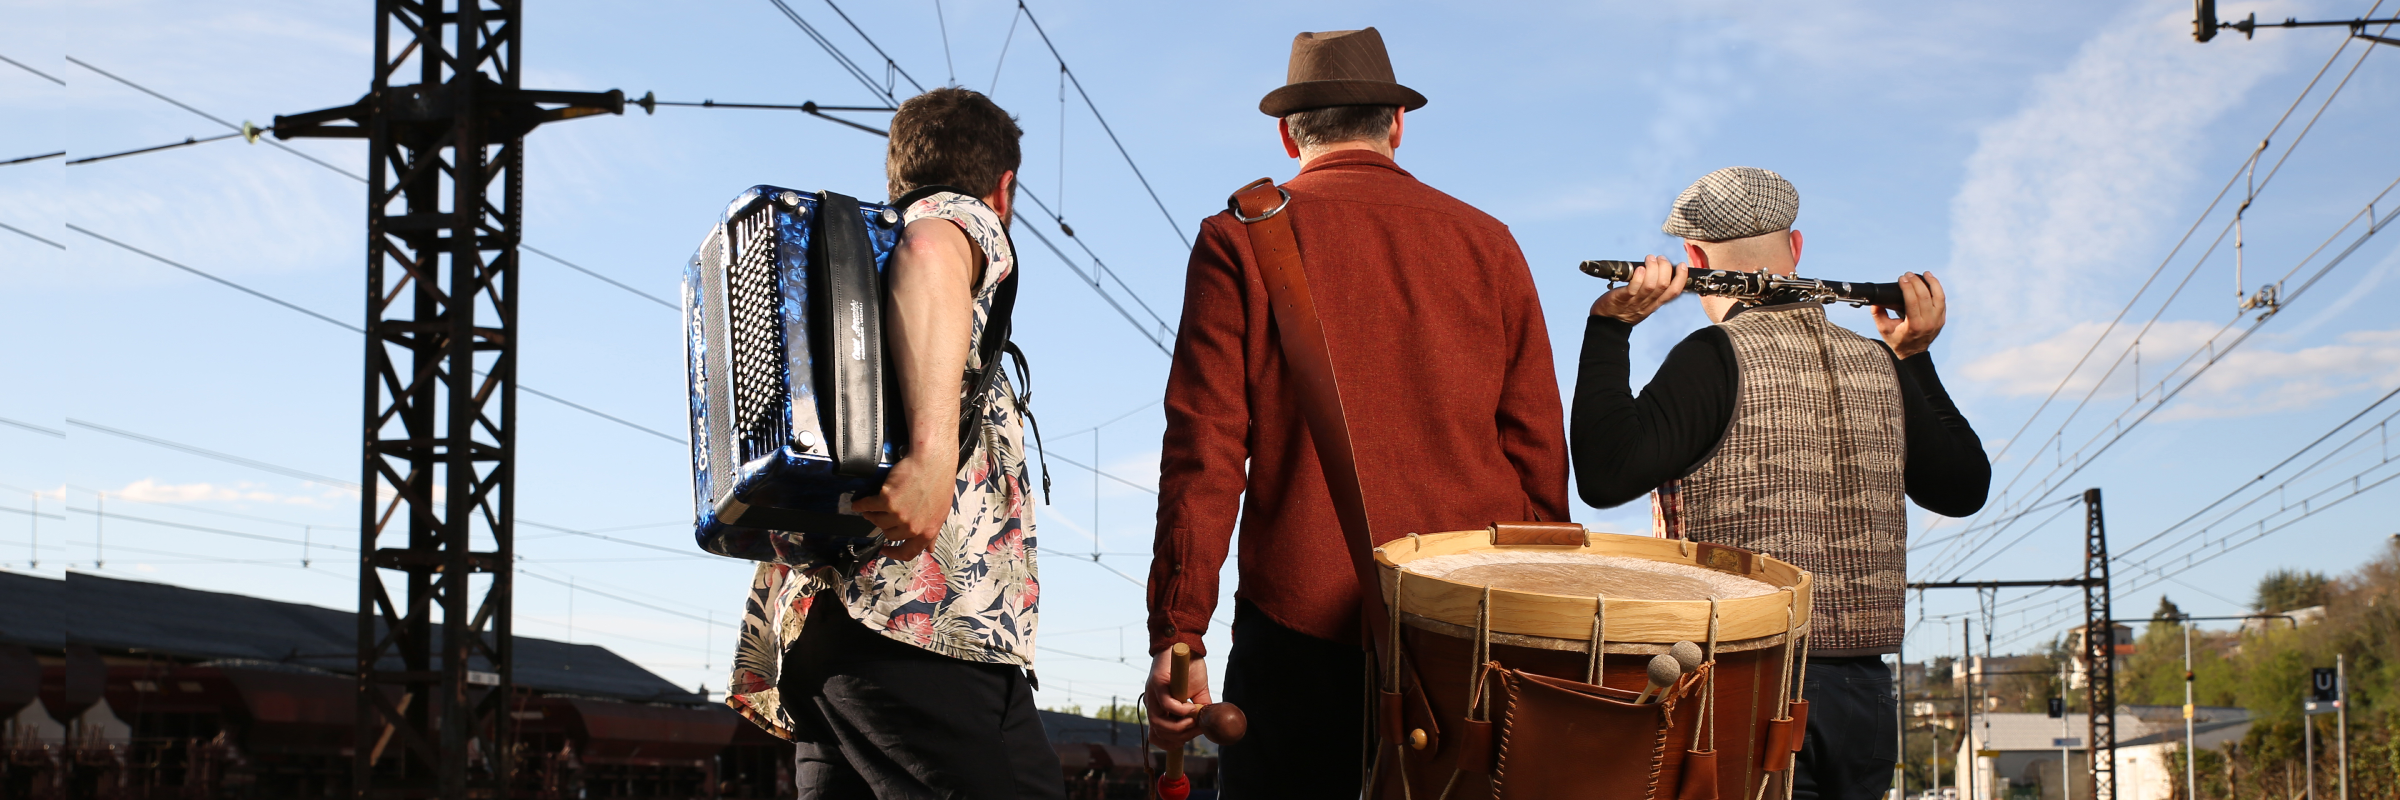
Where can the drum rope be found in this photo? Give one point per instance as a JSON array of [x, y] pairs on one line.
[[1592, 672], [1708, 702], [1478, 700], [1800, 692], [1791, 623], [1398, 575], [1399, 747]]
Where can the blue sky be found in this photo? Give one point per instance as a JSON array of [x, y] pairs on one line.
[[2044, 158]]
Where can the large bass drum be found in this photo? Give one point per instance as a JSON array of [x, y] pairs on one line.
[[1526, 649]]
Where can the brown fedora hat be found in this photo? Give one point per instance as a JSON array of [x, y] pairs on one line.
[[1339, 68]]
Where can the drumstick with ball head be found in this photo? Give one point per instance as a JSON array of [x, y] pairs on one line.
[[1223, 723], [1664, 670], [1686, 654]]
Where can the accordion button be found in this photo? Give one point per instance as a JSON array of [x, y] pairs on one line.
[[789, 198], [888, 218], [808, 440]]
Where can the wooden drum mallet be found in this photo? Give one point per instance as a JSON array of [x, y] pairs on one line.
[[1223, 723]]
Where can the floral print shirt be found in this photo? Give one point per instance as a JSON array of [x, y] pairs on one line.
[[970, 596]]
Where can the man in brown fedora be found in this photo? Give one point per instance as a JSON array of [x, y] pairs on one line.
[[1430, 314]]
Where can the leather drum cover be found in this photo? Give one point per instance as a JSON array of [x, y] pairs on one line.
[[1562, 738], [1746, 682]]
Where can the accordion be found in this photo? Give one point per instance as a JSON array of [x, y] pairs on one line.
[[793, 413]]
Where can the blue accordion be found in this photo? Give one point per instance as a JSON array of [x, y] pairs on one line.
[[793, 413]]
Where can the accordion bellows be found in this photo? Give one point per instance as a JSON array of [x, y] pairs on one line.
[[793, 414]]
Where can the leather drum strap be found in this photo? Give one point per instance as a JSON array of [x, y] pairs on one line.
[[1261, 206], [854, 307]]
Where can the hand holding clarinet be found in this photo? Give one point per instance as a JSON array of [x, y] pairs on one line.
[[1909, 313]]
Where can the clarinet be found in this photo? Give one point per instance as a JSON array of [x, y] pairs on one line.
[[1762, 288]]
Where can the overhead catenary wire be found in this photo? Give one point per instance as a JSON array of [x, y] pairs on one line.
[[2262, 475], [1088, 278], [21, 65], [202, 528], [30, 235], [355, 329], [213, 118], [612, 596], [1104, 126], [313, 160], [1101, 267], [206, 453], [811, 108], [2141, 572], [885, 90], [893, 66], [1027, 15], [288, 471], [29, 159], [601, 278], [55, 434], [2251, 194], [187, 142], [2102, 440], [2309, 506]]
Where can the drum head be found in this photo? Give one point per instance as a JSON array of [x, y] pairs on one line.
[[1584, 580], [1589, 575]]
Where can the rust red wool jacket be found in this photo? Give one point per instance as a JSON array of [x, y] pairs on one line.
[[1446, 375]]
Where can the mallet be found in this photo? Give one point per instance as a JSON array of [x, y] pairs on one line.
[[1664, 670], [1223, 723], [1686, 654]]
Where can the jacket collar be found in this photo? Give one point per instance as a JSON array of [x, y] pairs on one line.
[[1354, 160]]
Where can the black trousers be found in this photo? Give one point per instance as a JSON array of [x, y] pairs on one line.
[[1853, 731], [881, 719], [1305, 698]]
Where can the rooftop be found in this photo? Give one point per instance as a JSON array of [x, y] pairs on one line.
[[117, 615]]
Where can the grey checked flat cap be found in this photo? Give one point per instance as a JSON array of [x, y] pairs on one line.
[[1733, 203]]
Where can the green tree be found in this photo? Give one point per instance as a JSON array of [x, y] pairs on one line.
[[2167, 610], [2285, 589]]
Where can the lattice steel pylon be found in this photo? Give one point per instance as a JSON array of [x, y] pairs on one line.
[[444, 208], [2099, 650]]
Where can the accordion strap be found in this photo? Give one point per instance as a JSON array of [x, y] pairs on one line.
[[1260, 206], [854, 306]]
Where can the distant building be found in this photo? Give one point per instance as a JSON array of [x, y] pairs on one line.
[[2295, 618], [2122, 647], [145, 686], [2024, 750]]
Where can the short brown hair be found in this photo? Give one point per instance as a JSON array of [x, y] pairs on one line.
[[951, 136], [1318, 127]]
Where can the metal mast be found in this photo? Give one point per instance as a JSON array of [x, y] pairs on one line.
[[444, 209], [2099, 650], [2099, 642]]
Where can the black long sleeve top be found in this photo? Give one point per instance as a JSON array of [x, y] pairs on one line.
[[1623, 446]]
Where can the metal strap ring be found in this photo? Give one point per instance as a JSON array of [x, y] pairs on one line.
[[1236, 208]]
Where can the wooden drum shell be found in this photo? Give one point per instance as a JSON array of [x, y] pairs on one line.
[[1550, 635]]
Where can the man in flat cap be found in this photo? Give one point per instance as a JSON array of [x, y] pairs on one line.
[[1779, 432], [1426, 301]]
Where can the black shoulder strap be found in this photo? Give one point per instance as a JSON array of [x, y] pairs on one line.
[[854, 330]]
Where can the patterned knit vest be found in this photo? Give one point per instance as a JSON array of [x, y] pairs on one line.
[[1810, 469]]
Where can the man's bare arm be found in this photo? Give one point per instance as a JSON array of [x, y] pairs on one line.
[[928, 322]]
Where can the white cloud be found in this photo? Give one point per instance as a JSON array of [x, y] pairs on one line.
[[2069, 194], [149, 490], [2251, 380]]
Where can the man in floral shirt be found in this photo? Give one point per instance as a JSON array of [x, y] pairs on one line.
[[906, 673]]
